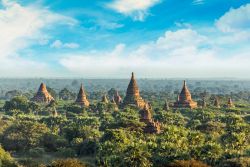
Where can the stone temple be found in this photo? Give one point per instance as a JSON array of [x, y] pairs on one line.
[[82, 98], [216, 103], [133, 97], [230, 103], [42, 95], [146, 117], [184, 99], [117, 98]]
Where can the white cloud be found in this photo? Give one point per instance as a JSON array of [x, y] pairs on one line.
[[20, 27], [198, 2], [235, 20], [137, 9], [182, 53], [59, 44]]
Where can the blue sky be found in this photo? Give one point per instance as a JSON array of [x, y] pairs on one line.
[[111, 38]]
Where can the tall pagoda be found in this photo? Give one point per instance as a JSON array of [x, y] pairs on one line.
[[133, 94], [82, 98], [42, 95], [216, 103], [117, 98], [230, 103], [146, 117], [184, 100], [105, 99]]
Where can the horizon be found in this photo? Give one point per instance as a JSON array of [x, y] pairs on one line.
[[157, 39]]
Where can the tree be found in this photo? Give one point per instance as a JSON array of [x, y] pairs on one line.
[[23, 135], [65, 94]]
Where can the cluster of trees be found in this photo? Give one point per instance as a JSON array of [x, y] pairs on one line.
[[109, 137]]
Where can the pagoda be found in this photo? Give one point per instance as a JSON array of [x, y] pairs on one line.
[[216, 103], [82, 98], [117, 98], [105, 99], [42, 95], [230, 103], [146, 117], [203, 103], [184, 100], [133, 95], [166, 106]]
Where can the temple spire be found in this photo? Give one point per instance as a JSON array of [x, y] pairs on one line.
[[184, 100], [82, 98], [105, 99], [216, 103], [133, 94], [42, 95], [230, 103]]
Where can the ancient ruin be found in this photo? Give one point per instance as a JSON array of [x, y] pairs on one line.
[[42, 95], [105, 99], [146, 117], [117, 98], [82, 98], [230, 103], [133, 95], [166, 106], [203, 103], [216, 103], [184, 100]]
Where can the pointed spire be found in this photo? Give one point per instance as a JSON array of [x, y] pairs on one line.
[[184, 100], [216, 103], [82, 98], [133, 94], [105, 99], [230, 103], [117, 98], [166, 106], [42, 95], [204, 104]]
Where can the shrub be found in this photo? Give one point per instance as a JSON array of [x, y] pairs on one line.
[[67, 163], [187, 163]]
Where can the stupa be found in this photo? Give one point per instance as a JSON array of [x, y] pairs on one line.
[[203, 103], [184, 100], [133, 95], [216, 103], [146, 117], [230, 103], [42, 95], [166, 106], [117, 98], [82, 98], [105, 99]]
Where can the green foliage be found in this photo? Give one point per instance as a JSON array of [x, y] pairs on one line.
[[5, 159], [23, 135]]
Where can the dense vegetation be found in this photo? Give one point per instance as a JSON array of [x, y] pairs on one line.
[[30, 135]]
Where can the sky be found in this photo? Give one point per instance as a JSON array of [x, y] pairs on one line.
[[112, 38]]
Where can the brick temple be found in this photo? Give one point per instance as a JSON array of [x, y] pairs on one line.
[[42, 95], [82, 98], [146, 117], [133, 97], [184, 100]]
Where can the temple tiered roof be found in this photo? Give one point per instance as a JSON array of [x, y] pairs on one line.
[[216, 103], [105, 99], [42, 95], [133, 95], [117, 98], [82, 98], [146, 117], [166, 106], [230, 103], [184, 100]]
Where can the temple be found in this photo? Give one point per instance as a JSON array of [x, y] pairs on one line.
[[166, 106], [216, 103], [133, 95], [146, 117], [105, 99], [230, 103], [203, 103], [117, 98], [184, 100], [82, 98], [42, 95]]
